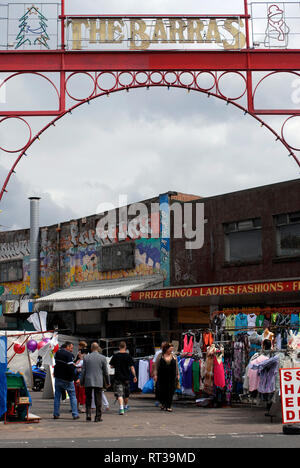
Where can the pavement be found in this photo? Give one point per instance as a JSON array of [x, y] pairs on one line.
[[144, 422]]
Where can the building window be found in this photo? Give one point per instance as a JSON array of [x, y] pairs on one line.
[[11, 271], [117, 257], [288, 234], [243, 241]]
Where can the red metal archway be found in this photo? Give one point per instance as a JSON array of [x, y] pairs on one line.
[[144, 69]]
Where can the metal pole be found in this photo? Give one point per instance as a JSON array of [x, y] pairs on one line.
[[247, 23], [34, 246], [63, 45]]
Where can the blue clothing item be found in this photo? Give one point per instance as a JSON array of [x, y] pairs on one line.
[[241, 322], [3, 368], [69, 387], [295, 321], [187, 373], [178, 391]]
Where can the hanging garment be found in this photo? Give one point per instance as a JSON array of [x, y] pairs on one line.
[[26, 306], [230, 323], [253, 376], [294, 321], [239, 361], [208, 340], [188, 344], [219, 323], [219, 375], [278, 341], [267, 371], [197, 345], [3, 380], [228, 378], [150, 367], [260, 320], [241, 322], [144, 374], [274, 318], [179, 390], [187, 373], [11, 307], [196, 376], [251, 319], [209, 372]]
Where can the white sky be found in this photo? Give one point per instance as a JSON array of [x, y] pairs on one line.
[[140, 143]]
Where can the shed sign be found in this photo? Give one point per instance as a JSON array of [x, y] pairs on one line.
[[290, 395]]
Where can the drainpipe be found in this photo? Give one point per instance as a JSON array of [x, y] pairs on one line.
[[34, 247]]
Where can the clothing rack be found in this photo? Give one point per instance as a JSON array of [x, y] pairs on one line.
[[143, 358]]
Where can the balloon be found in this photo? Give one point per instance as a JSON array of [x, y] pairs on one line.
[[46, 340], [41, 344], [32, 345], [55, 349], [19, 349]]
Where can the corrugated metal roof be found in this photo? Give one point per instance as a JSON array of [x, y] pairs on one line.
[[110, 288]]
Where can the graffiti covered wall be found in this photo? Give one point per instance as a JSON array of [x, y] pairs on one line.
[[70, 253]]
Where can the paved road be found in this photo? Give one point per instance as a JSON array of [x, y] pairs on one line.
[[157, 445], [145, 426]]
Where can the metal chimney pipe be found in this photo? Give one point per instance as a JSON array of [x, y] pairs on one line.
[[34, 247]]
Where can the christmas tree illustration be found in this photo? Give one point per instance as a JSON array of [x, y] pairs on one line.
[[28, 29]]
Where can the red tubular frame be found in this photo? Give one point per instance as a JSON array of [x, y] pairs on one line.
[[63, 61]]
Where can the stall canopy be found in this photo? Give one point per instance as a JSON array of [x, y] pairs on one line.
[[100, 295]]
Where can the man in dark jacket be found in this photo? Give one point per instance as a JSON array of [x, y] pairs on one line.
[[64, 374], [94, 377]]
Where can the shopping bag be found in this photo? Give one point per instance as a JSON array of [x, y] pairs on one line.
[[148, 387]]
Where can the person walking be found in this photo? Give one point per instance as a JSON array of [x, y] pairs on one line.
[[79, 389], [123, 364], [158, 352], [166, 375], [64, 374], [93, 375]]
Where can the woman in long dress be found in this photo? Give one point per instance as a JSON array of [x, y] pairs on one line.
[[166, 376]]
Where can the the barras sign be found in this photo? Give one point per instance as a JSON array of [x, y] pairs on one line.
[[219, 290], [142, 33]]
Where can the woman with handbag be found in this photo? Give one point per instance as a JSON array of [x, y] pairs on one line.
[[166, 377]]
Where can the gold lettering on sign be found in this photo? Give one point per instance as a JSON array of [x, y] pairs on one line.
[[177, 28], [97, 33], [239, 37], [76, 32], [227, 32], [213, 34], [160, 33], [114, 28], [195, 28], [138, 35]]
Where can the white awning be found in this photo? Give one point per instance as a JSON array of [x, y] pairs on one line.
[[104, 294]]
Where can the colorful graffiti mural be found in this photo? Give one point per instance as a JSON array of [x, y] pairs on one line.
[[70, 253]]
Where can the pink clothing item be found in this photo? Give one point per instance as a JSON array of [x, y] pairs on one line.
[[219, 374], [253, 374], [188, 345], [151, 365]]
